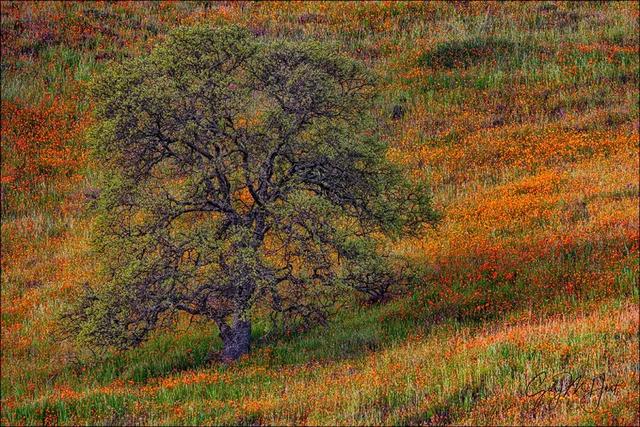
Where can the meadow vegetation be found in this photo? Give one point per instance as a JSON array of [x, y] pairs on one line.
[[523, 117]]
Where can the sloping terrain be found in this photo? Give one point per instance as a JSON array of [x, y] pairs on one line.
[[523, 115]]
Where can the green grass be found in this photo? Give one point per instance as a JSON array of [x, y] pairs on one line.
[[459, 385], [514, 70]]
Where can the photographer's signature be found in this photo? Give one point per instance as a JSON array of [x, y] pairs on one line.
[[546, 391]]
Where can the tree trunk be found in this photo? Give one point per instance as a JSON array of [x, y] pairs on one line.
[[236, 339]]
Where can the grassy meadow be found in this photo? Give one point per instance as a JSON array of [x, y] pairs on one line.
[[524, 117]]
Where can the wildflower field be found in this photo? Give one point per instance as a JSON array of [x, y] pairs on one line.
[[525, 307]]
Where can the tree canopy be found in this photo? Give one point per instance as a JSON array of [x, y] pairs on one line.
[[239, 171]]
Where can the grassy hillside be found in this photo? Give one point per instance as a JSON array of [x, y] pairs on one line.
[[524, 116]]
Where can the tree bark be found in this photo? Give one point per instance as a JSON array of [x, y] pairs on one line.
[[236, 339]]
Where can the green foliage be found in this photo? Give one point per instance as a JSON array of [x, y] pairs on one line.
[[240, 172]]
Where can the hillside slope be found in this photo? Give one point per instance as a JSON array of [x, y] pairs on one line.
[[523, 115]]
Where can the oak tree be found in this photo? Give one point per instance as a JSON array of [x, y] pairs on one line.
[[238, 171]]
